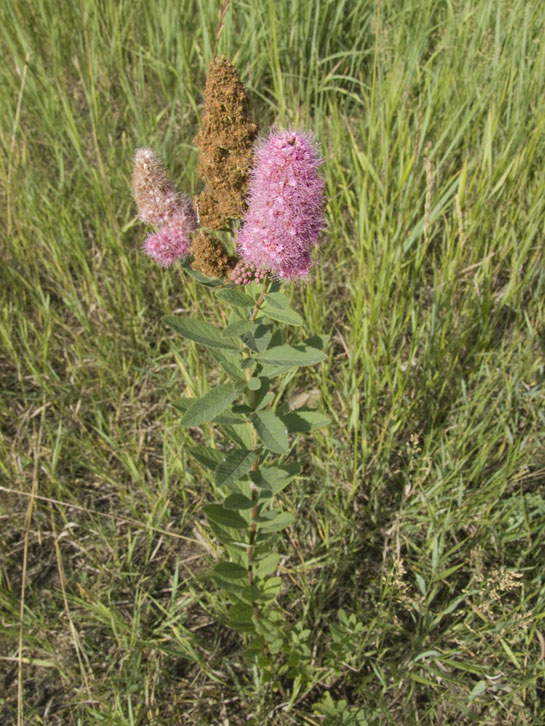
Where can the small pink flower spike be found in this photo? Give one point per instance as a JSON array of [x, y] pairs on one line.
[[160, 204], [170, 243], [285, 206]]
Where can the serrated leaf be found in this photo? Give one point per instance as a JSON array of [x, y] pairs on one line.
[[271, 431], [207, 456], [287, 316], [231, 571], [303, 421], [210, 405], [292, 355], [198, 331], [239, 327], [238, 501], [277, 300], [275, 478], [225, 517], [267, 565], [235, 465], [274, 521], [235, 297]]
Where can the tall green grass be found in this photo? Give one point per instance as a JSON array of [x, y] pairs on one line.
[[422, 514]]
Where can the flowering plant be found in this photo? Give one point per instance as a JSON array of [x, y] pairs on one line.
[[275, 189]]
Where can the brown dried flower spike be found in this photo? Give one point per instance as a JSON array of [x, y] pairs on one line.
[[210, 257], [225, 142]]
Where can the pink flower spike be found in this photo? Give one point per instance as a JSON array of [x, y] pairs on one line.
[[170, 243], [285, 206]]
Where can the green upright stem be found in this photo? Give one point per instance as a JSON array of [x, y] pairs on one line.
[[255, 493]]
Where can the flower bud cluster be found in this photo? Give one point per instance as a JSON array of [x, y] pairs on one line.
[[244, 272]]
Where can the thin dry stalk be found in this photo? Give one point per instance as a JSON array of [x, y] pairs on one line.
[[221, 16]]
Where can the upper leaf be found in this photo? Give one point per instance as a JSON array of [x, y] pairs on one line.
[[198, 330], [292, 355], [277, 300], [287, 315], [234, 297], [271, 431], [207, 456], [211, 404], [238, 328], [302, 421], [225, 517], [235, 465]]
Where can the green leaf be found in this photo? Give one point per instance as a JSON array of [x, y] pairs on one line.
[[226, 517], [317, 341], [267, 398], [240, 618], [274, 521], [234, 419], [230, 419], [182, 404], [259, 339], [251, 593], [238, 501], [223, 535], [197, 330], [231, 362], [271, 431], [239, 327], [240, 435], [235, 297], [302, 421], [241, 613], [210, 405], [267, 565], [288, 316], [254, 384], [231, 571], [277, 300], [210, 458], [275, 478], [292, 355], [231, 586], [235, 465]]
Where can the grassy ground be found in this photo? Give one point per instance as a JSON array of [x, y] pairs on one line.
[[423, 514]]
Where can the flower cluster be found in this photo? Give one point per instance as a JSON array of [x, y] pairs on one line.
[[285, 209], [280, 191], [160, 204], [244, 272]]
